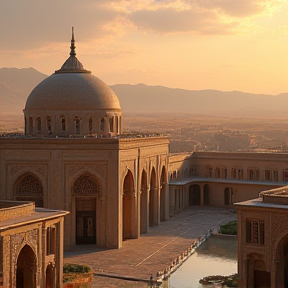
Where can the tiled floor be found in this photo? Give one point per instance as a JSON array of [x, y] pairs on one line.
[[154, 251]]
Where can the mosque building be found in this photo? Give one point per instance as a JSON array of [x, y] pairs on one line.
[[74, 157]]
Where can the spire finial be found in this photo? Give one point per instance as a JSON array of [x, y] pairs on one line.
[[72, 47]]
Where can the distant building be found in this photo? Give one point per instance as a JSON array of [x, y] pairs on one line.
[[221, 179], [31, 245], [263, 240]]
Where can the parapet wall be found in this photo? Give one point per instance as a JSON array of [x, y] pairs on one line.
[[13, 209]]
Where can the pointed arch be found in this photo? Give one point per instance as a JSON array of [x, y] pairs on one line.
[[38, 125], [194, 194], [143, 203], [26, 268], [77, 124], [28, 187], [153, 199], [163, 194], [48, 124], [86, 184], [30, 125], [86, 191], [281, 252], [50, 276], [129, 209], [206, 194]]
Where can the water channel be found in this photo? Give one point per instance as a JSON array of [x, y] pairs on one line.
[[216, 256]]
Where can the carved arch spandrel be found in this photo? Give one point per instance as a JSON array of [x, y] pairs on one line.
[[17, 243], [86, 185], [73, 172], [15, 171]]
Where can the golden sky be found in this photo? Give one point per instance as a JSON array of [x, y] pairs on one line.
[[191, 44]]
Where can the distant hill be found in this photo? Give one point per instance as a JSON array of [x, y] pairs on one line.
[[16, 85], [141, 98]]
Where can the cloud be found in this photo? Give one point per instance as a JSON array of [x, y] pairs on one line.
[[32, 23], [169, 20], [235, 8]]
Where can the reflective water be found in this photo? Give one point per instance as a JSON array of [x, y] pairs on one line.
[[216, 256]]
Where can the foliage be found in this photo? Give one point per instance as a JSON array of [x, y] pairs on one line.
[[229, 228], [76, 273], [229, 281]]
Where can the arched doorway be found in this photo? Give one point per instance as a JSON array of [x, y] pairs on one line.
[[26, 268], [228, 196], [143, 204], [85, 192], [128, 207], [282, 263], [257, 276], [194, 194], [50, 277], [206, 194], [153, 200], [163, 183], [29, 188]]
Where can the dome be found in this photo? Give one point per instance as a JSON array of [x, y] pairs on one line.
[[72, 88], [72, 91], [72, 102]]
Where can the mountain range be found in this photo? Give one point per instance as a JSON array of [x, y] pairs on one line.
[[16, 85]]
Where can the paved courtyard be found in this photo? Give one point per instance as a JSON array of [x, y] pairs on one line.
[[154, 251]]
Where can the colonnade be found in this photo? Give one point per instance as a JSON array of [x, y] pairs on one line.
[[144, 208]]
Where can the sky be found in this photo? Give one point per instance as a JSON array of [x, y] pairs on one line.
[[224, 45]]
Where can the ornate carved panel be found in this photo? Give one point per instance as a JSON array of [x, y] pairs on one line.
[[85, 185], [29, 186], [17, 242]]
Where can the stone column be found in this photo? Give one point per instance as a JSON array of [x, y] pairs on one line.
[[148, 208], [158, 190], [60, 252], [201, 194], [172, 200]]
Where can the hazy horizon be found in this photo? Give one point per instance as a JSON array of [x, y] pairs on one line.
[[225, 45]]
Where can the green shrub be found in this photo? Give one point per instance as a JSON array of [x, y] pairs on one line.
[[75, 268], [229, 228]]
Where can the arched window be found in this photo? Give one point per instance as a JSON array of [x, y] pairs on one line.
[[25, 129], [233, 173], [38, 124], [90, 124], [63, 123], [48, 122], [77, 124], [117, 124], [30, 125], [29, 188], [209, 171], [102, 125], [254, 174], [111, 122], [240, 174]]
